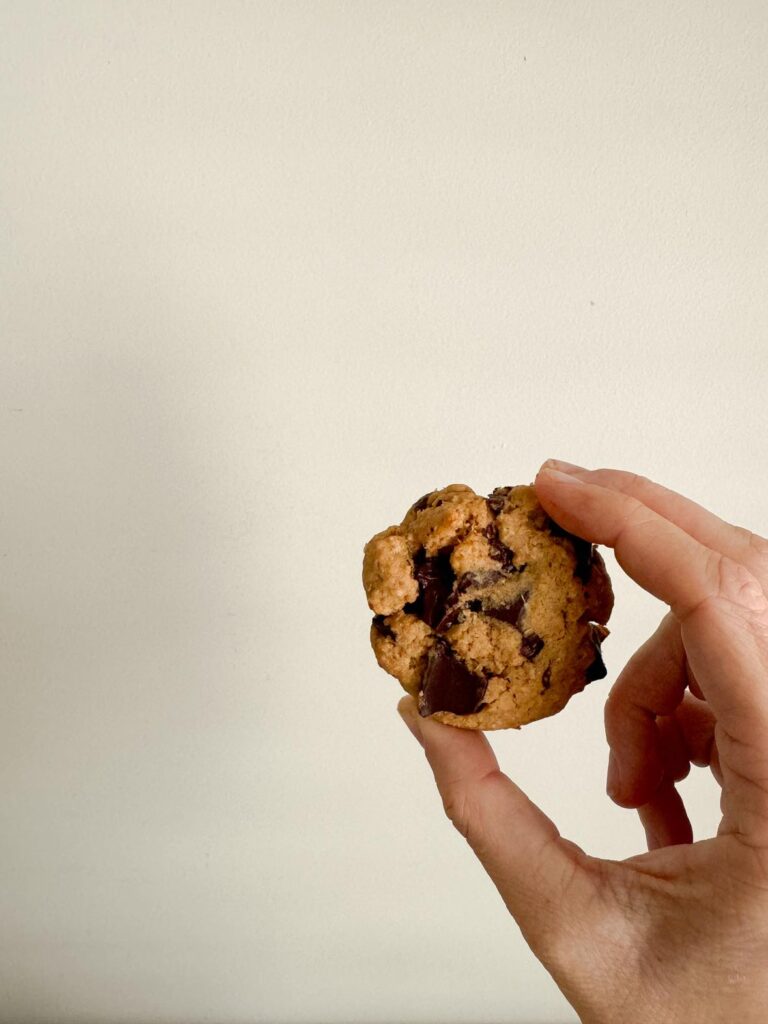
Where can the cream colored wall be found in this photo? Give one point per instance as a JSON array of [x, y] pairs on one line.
[[270, 272]]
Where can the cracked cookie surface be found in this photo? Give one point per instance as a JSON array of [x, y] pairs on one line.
[[485, 610]]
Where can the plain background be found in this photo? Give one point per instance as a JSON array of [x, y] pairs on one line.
[[270, 271]]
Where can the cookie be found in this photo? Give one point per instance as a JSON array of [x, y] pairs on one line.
[[486, 610]]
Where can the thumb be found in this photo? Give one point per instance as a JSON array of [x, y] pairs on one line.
[[541, 877]]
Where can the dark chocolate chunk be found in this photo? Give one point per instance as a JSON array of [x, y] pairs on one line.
[[499, 551], [463, 584], [583, 549], [454, 611], [497, 498], [531, 645], [584, 554], [596, 669], [475, 606], [382, 628], [511, 613], [435, 578], [448, 685], [546, 678], [421, 504], [452, 615]]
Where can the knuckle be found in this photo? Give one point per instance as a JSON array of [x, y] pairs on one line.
[[736, 591], [637, 516], [625, 480], [455, 805], [757, 557], [637, 482], [738, 585], [753, 551], [464, 802], [640, 515]]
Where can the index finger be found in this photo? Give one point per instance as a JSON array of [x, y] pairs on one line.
[[665, 560], [739, 543], [719, 603]]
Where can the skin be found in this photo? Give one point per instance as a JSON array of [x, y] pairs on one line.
[[679, 933]]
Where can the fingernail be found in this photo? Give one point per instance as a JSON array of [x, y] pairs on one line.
[[565, 467], [409, 714], [562, 478], [613, 783]]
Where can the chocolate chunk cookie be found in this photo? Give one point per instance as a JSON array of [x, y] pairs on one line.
[[486, 610]]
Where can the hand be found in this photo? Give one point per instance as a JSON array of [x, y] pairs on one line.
[[679, 933]]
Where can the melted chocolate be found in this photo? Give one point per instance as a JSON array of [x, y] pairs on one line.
[[511, 613], [531, 645], [497, 498], [498, 551], [448, 685], [435, 578], [452, 616], [454, 610], [382, 628], [596, 669], [421, 504]]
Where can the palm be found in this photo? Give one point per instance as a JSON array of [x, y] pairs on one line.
[[634, 954]]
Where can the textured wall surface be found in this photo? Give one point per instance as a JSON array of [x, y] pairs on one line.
[[269, 272]]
